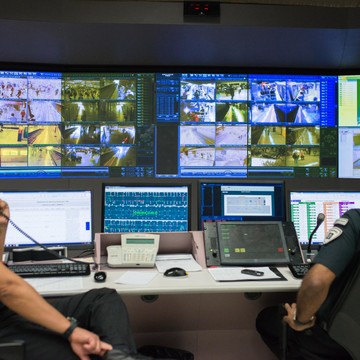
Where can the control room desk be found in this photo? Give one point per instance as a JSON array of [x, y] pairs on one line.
[[213, 320], [199, 282]]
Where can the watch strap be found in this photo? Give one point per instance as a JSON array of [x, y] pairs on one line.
[[71, 328]]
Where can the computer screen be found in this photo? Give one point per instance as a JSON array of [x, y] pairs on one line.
[[52, 218], [144, 208], [306, 205], [61, 124], [160, 125], [241, 201], [246, 125], [252, 243], [349, 126]]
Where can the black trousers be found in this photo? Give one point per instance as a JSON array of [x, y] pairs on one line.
[[311, 344], [100, 310]]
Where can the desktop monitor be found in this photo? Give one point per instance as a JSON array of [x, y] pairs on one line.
[[306, 205], [52, 218], [241, 201], [252, 243], [146, 208]]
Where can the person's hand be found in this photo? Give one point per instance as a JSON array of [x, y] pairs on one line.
[[84, 343], [291, 316]]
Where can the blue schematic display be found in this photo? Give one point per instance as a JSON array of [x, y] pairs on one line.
[[145, 208]]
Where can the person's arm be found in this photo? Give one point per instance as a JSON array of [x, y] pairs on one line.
[[20, 297], [312, 293]]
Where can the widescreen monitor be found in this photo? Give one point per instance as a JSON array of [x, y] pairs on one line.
[[62, 124], [146, 208], [160, 125], [241, 201], [246, 125], [52, 218], [305, 206]]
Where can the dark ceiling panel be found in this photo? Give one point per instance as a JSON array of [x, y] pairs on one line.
[[247, 36]]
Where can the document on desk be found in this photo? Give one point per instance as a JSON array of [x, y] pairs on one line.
[[136, 277], [184, 261], [234, 274], [66, 283]]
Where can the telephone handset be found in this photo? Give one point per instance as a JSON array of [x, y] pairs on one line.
[[136, 250]]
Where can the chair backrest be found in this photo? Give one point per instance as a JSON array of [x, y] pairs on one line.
[[344, 323], [12, 350]]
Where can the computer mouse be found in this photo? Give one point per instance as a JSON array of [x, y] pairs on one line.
[[100, 276], [175, 272]]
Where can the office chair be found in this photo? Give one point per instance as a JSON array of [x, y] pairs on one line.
[[12, 350], [344, 321]]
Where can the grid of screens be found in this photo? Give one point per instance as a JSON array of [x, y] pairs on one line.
[[241, 201], [306, 205], [167, 125], [252, 243], [143, 208], [60, 124], [251, 125], [52, 218]]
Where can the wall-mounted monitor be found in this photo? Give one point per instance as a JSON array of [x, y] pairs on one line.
[[52, 218], [246, 125], [306, 205], [241, 201], [161, 125], [76, 124], [146, 208], [349, 126]]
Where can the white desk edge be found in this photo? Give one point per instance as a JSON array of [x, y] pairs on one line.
[[200, 282]]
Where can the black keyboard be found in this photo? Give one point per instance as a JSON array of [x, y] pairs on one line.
[[48, 270], [299, 270]]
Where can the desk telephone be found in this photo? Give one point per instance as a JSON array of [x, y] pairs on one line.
[[136, 250]]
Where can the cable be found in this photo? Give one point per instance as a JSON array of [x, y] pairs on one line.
[[54, 253]]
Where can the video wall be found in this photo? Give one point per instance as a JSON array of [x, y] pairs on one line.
[[178, 125]]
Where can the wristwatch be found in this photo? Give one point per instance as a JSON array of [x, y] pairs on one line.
[[71, 328], [300, 323]]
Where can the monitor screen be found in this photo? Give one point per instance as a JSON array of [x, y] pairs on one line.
[[246, 125], [241, 201], [306, 205], [252, 243], [144, 208], [349, 126], [52, 218], [159, 125], [76, 124]]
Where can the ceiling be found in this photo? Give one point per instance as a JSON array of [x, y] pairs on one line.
[[282, 34]]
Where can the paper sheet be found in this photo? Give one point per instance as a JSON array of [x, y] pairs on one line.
[[136, 277], [184, 261], [234, 274], [67, 283]]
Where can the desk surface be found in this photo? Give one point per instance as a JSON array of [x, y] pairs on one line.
[[200, 282]]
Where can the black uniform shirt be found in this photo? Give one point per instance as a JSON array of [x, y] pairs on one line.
[[338, 252]]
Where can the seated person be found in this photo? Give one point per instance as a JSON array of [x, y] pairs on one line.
[[101, 329], [306, 335]]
